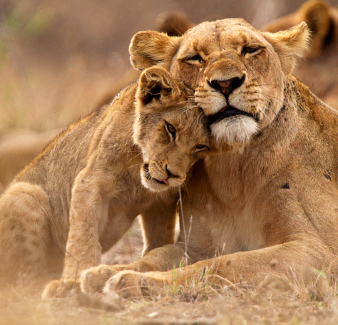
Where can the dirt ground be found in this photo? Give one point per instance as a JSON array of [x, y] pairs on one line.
[[58, 59], [292, 303]]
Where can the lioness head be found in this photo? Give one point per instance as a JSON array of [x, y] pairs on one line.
[[171, 131], [236, 70]]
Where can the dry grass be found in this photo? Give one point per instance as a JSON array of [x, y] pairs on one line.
[[197, 302], [42, 88], [47, 78]]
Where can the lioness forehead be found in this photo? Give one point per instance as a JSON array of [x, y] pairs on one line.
[[221, 31]]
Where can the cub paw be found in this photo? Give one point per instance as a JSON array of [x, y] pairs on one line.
[[60, 289], [131, 284], [94, 279]]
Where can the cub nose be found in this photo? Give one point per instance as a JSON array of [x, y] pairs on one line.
[[226, 87], [170, 174]]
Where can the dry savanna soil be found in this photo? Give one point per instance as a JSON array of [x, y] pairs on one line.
[[58, 59], [275, 301]]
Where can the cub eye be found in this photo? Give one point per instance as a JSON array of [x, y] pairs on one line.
[[194, 59], [250, 50], [200, 147], [170, 130]]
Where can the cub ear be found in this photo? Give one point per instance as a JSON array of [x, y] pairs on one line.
[[157, 83], [152, 48], [290, 44], [316, 14]]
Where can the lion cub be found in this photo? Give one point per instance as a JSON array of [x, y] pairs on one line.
[[83, 192]]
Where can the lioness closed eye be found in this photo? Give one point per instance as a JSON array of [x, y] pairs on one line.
[[268, 203], [91, 173]]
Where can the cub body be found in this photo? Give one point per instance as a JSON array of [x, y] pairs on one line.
[[83, 192]]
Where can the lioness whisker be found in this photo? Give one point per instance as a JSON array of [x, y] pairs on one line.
[[139, 164], [271, 97]]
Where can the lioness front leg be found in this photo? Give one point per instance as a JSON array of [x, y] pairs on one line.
[[290, 261]]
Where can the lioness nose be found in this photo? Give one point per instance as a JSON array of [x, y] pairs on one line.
[[227, 86]]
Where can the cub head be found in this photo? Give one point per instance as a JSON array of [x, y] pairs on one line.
[[236, 71], [171, 131]]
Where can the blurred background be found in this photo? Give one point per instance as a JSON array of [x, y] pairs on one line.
[[58, 59]]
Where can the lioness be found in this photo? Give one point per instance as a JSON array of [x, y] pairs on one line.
[[320, 69], [83, 192], [174, 24], [268, 204]]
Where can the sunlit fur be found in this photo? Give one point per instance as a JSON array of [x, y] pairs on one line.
[[221, 57], [269, 209], [81, 194], [235, 130]]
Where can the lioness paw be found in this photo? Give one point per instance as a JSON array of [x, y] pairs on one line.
[[131, 284], [94, 279], [60, 289]]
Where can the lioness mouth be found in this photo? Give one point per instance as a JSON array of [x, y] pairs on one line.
[[227, 111]]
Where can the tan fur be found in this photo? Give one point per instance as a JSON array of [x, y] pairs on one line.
[[83, 192], [319, 70], [172, 23], [17, 148], [268, 203]]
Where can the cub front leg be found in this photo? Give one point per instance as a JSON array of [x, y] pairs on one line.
[[158, 225], [83, 250], [159, 259]]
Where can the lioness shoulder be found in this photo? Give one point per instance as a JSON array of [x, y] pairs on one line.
[[266, 205]]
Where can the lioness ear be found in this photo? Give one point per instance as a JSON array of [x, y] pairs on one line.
[[152, 48], [157, 83], [290, 44], [316, 14]]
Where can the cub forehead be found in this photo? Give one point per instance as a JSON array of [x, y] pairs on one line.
[[186, 117]]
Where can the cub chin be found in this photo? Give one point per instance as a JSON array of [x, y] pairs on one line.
[[83, 192], [171, 131]]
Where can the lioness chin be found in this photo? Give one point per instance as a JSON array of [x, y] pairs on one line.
[[83, 192], [269, 208]]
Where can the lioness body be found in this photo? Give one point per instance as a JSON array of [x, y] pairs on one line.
[[267, 204], [83, 192]]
